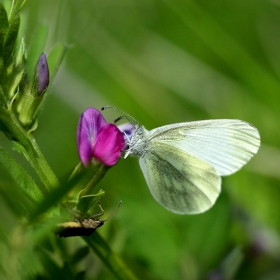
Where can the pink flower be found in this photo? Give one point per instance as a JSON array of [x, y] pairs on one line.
[[98, 140]]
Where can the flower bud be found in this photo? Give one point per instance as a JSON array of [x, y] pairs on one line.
[[42, 74], [30, 101]]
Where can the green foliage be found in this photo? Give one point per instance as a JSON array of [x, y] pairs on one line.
[[10, 41], [10, 71], [55, 58], [20, 177], [101, 248], [36, 48], [86, 202], [4, 25]]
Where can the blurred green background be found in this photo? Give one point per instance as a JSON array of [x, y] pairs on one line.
[[165, 62]]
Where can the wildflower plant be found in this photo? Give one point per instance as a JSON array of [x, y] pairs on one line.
[[42, 207]]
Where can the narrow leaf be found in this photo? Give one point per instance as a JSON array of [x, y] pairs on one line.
[[4, 24], [3, 30], [16, 7], [21, 178], [55, 58], [18, 71], [56, 195], [36, 49], [10, 39], [113, 262], [14, 197], [20, 149], [80, 254], [232, 263]]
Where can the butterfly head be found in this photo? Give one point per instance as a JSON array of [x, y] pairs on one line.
[[133, 132], [132, 142]]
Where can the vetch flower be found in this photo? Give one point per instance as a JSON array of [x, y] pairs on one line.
[[98, 140]]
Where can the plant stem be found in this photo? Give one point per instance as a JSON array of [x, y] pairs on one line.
[[98, 175], [94, 173], [30, 150], [110, 258]]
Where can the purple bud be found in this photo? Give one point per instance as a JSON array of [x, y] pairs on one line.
[[42, 72], [97, 139]]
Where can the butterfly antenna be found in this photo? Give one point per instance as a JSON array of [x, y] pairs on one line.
[[126, 114], [122, 117], [114, 211]]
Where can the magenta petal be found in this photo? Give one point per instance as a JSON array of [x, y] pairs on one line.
[[109, 144], [89, 124]]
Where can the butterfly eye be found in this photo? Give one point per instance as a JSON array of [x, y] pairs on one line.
[[139, 131]]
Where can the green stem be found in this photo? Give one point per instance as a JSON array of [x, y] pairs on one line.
[[110, 258], [94, 173], [31, 149], [98, 175]]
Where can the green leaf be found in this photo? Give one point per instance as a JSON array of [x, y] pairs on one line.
[[231, 264], [9, 75], [20, 149], [19, 61], [4, 24], [36, 49], [16, 7], [15, 199], [10, 39], [86, 202], [80, 254], [55, 58], [18, 70], [3, 99], [52, 268], [56, 196], [20, 177]]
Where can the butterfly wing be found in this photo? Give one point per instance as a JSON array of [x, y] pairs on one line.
[[179, 181], [225, 144]]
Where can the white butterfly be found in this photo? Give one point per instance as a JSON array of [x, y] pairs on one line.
[[182, 163]]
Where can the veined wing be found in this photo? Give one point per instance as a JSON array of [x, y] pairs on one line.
[[179, 181], [225, 144]]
